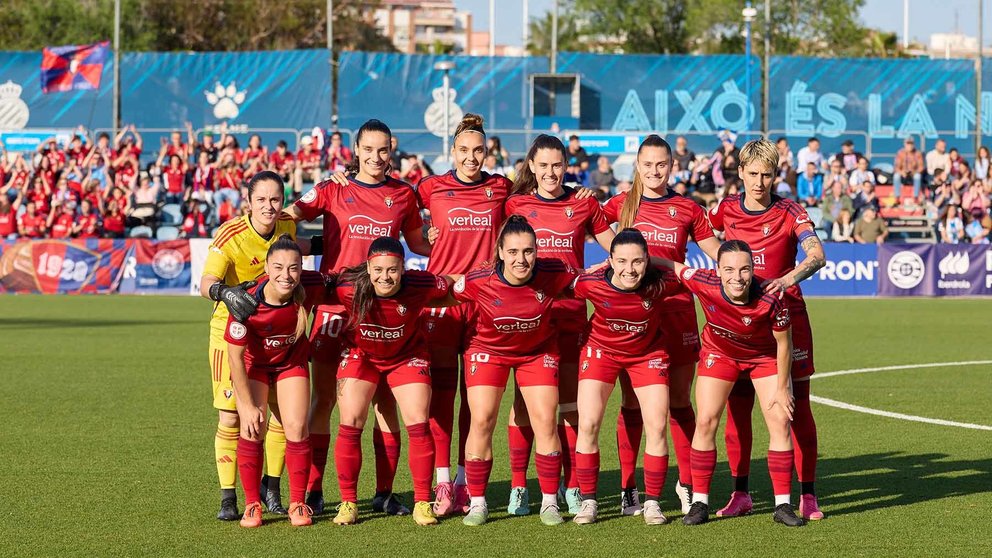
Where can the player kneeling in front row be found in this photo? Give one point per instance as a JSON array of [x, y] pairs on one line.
[[625, 337], [270, 350], [386, 344], [747, 333]]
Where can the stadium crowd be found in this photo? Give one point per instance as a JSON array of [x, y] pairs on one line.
[[99, 187]]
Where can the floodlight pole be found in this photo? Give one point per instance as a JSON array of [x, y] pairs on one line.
[[117, 67], [979, 129]]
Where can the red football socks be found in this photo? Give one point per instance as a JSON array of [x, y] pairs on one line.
[[655, 472], [319, 444], [569, 436], [387, 458], [348, 460], [780, 470], [421, 460], [477, 476], [682, 423], [548, 472], [521, 440], [298, 463], [250, 468], [587, 471], [804, 434], [629, 429], [703, 465]]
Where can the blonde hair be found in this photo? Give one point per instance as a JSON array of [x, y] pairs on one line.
[[628, 212], [759, 151]]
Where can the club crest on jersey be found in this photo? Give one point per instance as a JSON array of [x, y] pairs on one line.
[[585, 365], [672, 211], [646, 303], [228, 393], [401, 309], [540, 295], [489, 192], [473, 369], [766, 230], [569, 212], [746, 320], [710, 360], [430, 325], [388, 200]]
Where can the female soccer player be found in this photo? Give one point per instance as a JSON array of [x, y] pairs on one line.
[[561, 221], [513, 329], [237, 256], [747, 334], [625, 336], [371, 205], [667, 221], [270, 350], [387, 346]]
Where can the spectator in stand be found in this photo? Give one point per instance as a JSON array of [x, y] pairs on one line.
[[204, 183], [31, 224], [978, 228], [339, 156], [835, 202], [145, 208], [865, 199], [113, 220], [39, 193], [957, 163], [78, 150], [578, 162], [870, 228], [74, 175], [413, 170], [602, 179], [729, 156], [18, 176], [207, 145], [848, 157], [230, 178], [491, 165], [97, 164], [173, 176], [938, 158], [702, 179], [943, 193], [307, 165], [809, 186], [961, 183], [811, 154], [61, 219], [974, 198], [282, 162], [861, 174], [88, 224], [120, 195], [396, 155], [62, 193], [229, 144], [46, 173], [786, 167], [49, 149], [91, 192], [784, 190], [836, 173], [8, 216], [255, 158], [175, 146], [495, 147], [951, 226], [843, 229], [194, 221], [982, 163], [685, 156]]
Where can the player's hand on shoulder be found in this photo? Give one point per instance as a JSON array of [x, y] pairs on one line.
[[339, 178], [432, 234], [581, 193], [776, 286]]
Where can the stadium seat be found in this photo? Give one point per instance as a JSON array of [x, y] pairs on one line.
[[171, 214], [884, 191], [815, 215], [141, 232], [167, 233]]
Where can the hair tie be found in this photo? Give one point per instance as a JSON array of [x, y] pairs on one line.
[[385, 253]]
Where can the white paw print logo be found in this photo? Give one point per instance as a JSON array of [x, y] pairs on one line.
[[226, 100]]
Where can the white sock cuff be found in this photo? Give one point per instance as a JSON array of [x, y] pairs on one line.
[[700, 497]]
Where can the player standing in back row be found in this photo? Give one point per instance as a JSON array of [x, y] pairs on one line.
[[774, 228]]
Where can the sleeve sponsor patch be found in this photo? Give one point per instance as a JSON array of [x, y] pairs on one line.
[[781, 318], [460, 285], [310, 196], [688, 272], [237, 330]]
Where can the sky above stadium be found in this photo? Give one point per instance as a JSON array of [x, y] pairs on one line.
[[925, 17]]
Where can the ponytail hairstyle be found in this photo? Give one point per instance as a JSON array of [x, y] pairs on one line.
[[652, 284], [470, 123], [514, 224], [372, 125], [526, 182], [628, 212], [358, 276], [286, 243], [731, 246]]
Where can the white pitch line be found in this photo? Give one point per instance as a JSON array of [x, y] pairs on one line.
[[901, 416]]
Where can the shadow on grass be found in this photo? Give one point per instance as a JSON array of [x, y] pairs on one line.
[[70, 323]]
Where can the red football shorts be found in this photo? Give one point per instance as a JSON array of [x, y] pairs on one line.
[[271, 375], [398, 371], [681, 336], [715, 365], [446, 330], [802, 344], [649, 369], [327, 333], [485, 369]]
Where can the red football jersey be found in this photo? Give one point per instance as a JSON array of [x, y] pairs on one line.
[[269, 336], [667, 223], [467, 215], [113, 223], [514, 320], [742, 332], [175, 180], [308, 160], [34, 227], [62, 226], [19, 179], [280, 162], [88, 226], [623, 322], [774, 235], [357, 214], [391, 327], [8, 223]]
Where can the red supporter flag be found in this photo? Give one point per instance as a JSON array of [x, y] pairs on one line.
[[68, 68]]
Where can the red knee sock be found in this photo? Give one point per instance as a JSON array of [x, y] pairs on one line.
[[298, 463], [738, 434], [348, 461], [780, 470], [804, 434], [250, 468], [703, 465], [548, 472], [441, 421], [387, 458], [464, 422], [569, 436], [682, 423], [587, 471], [477, 476], [520, 439], [629, 430], [421, 459], [319, 444], [655, 472]]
